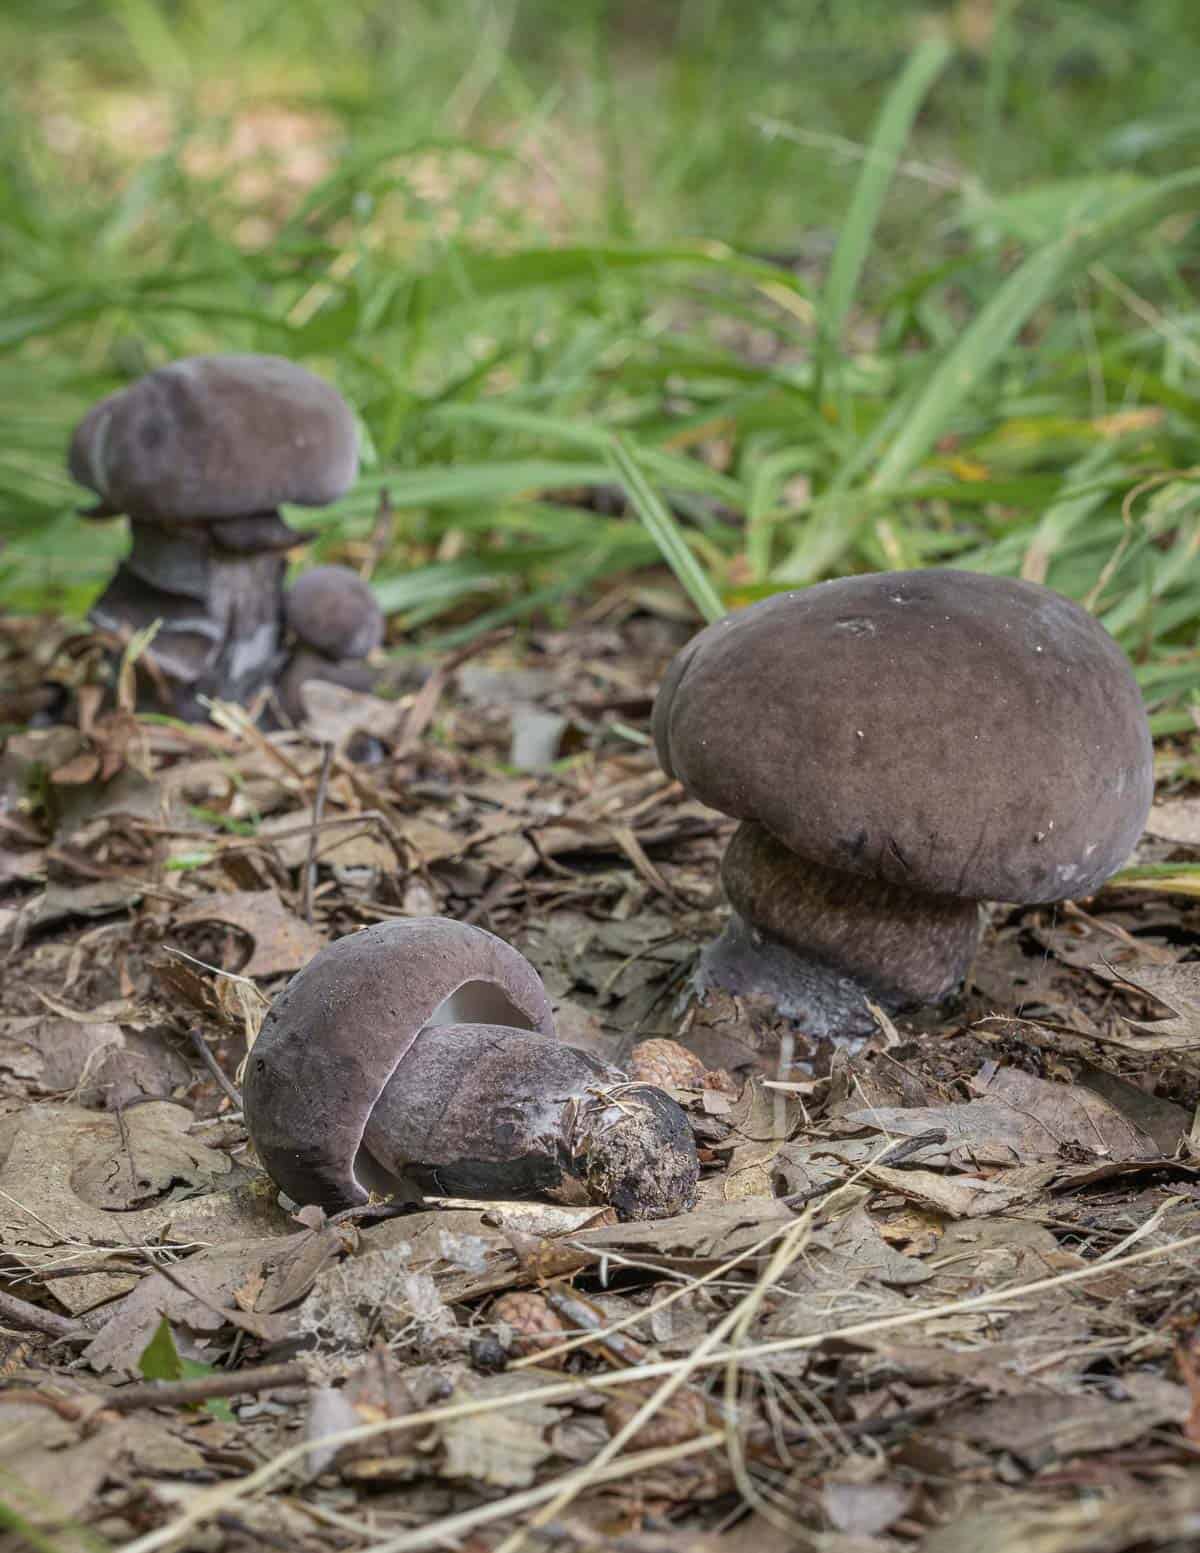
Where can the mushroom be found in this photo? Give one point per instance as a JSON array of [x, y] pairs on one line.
[[336, 624], [199, 455], [899, 748], [419, 1055]]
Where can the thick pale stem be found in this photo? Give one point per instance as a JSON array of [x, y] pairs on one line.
[[816, 938]]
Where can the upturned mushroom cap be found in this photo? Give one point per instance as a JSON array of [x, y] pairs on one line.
[[958, 734], [339, 1029], [331, 609], [214, 437]]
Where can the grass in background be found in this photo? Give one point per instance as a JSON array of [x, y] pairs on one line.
[[822, 287]]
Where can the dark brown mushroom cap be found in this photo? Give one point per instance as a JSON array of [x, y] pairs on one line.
[[214, 437], [337, 1031], [332, 609], [964, 735]]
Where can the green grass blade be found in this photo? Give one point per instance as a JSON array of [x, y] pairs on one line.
[[960, 371], [153, 40], [665, 531], [891, 134], [997, 325]]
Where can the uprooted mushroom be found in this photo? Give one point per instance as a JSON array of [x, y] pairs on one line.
[[419, 1057], [899, 748], [200, 455], [335, 623]]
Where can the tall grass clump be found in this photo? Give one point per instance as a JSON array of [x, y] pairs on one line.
[[766, 294]]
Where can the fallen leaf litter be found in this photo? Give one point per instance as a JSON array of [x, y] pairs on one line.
[[932, 1291]]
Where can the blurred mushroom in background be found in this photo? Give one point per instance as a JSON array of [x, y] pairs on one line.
[[200, 455], [335, 624]]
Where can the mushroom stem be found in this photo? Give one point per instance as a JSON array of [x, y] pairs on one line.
[[816, 939], [219, 610], [488, 1111], [304, 666]]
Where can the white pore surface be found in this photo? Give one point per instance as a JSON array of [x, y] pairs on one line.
[[479, 1003]]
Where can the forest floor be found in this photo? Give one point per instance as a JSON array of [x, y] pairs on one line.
[[937, 1293]]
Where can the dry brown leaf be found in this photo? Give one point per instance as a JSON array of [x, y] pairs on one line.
[[51, 1473], [1168, 1124], [333, 714], [348, 844], [45, 1223], [760, 1121], [1040, 1429], [1176, 819], [54, 1054], [695, 1241], [1178, 987], [864, 1509], [1161, 1517], [684, 1416], [503, 1450], [959, 1197], [133, 1158], [282, 940], [847, 1273], [1021, 1119], [200, 1296], [468, 1249]]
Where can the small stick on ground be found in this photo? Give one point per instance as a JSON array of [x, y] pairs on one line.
[[213, 1066], [382, 531], [181, 1393], [898, 1152], [35, 1319], [310, 867], [425, 704]]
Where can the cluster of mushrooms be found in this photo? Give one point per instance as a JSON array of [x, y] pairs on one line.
[[200, 456], [899, 749]]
